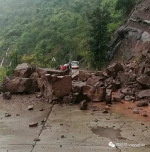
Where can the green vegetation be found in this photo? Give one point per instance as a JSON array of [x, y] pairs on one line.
[[100, 36], [35, 31], [125, 5], [2, 73]]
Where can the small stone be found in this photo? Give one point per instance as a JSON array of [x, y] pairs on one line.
[[143, 104], [105, 111], [130, 108], [127, 98], [41, 109], [116, 98], [17, 114], [135, 111], [83, 105], [7, 114], [30, 107], [107, 108], [39, 96], [96, 120], [43, 121], [62, 136], [33, 124], [7, 95], [36, 139], [145, 115]]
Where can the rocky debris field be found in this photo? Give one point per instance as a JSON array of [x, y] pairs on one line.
[[44, 109], [116, 84]]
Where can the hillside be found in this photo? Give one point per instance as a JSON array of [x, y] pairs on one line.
[[37, 30], [132, 39]]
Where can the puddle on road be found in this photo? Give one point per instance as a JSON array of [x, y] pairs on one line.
[[107, 132]]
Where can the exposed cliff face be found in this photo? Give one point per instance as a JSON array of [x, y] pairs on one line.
[[132, 40]]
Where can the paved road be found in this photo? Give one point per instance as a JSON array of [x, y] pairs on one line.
[[68, 129]]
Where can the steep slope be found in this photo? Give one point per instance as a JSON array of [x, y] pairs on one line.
[[132, 40]]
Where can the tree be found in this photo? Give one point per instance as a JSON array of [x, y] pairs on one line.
[[125, 6], [99, 37], [2, 73]]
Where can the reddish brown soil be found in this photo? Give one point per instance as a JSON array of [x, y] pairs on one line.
[[126, 108]]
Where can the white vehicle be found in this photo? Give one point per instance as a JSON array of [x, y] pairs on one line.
[[75, 64]]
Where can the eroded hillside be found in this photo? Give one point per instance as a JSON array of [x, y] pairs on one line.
[[132, 40]]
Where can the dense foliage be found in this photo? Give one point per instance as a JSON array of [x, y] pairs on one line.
[[100, 37], [35, 31], [2, 73], [125, 5]]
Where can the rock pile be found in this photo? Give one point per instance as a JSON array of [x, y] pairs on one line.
[[29, 78], [130, 80]]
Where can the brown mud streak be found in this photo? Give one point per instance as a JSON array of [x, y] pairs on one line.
[[126, 108]]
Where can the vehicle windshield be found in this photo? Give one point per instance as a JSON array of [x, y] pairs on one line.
[[75, 63]]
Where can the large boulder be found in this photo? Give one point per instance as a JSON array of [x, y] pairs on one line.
[[113, 70], [77, 86], [42, 71], [34, 75], [144, 93], [58, 86], [95, 93], [62, 86], [84, 75], [147, 71], [144, 81], [93, 80], [19, 85], [24, 70], [127, 77]]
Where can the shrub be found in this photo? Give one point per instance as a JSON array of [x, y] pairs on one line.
[[2, 73]]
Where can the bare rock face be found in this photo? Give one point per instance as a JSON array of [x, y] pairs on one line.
[[58, 86], [95, 93], [132, 39], [19, 85], [23, 70], [84, 75]]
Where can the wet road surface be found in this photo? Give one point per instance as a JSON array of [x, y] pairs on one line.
[[68, 129]]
